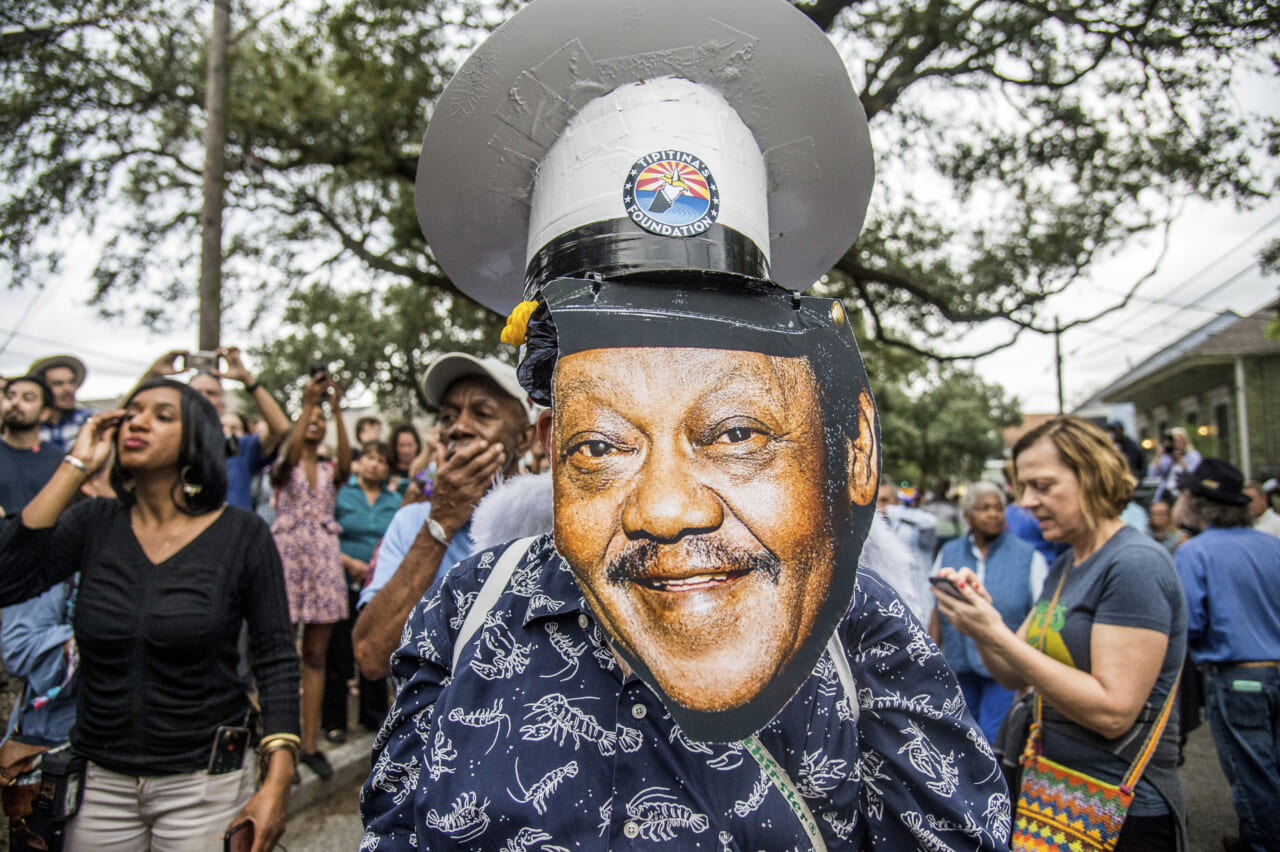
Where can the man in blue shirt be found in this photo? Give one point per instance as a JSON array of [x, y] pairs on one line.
[[255, 452], [26, 461], [484, 432], [1230, 573]]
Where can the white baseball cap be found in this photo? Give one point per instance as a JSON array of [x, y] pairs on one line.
[[450, 367]]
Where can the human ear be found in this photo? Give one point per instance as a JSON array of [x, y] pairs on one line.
[[546, 432], [864, 455]]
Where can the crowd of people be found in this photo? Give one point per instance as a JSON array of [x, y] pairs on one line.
[[1052, 594]]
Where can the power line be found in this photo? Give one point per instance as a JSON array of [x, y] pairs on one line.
[[1194, 303], [68, 346]]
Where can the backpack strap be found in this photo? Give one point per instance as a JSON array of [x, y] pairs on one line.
[[494, 585]]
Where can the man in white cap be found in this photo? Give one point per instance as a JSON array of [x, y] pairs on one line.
[[64, 374], [694, 658], [485, 430]]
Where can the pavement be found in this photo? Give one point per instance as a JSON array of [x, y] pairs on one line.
[[350, 763]]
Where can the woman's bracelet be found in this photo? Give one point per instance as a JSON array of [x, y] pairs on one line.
[[76, 463], [272, 743], [252, 387]]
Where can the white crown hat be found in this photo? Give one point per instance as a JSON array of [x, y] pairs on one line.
[[625, 136]]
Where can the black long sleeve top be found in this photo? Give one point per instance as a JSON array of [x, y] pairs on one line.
[[158, 643]]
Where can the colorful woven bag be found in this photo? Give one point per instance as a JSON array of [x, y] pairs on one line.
[[1063, 810]]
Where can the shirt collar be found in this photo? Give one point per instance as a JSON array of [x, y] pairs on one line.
[[559, 593]]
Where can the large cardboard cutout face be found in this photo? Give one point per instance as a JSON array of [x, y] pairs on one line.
[[711, 503], [690, 490], [662, 191]]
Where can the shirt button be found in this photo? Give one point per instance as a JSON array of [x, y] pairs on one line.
[[583, 621], [638, 711], [631, 830]]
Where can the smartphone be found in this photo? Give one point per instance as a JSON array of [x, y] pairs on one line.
[[239, 838], [947, 586], [319, 370], [230, 742], [203, 362]]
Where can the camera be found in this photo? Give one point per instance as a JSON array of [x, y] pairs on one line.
[[201, 362], [319, 370]]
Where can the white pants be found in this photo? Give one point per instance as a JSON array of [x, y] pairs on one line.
[[163, 813]]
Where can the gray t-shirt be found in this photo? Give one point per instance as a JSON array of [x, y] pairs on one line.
[[1130, 581]]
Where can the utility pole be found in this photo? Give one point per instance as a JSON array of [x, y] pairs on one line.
[[1057, 361], [215, 138]]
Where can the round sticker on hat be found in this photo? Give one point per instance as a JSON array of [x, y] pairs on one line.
[[672, 194]]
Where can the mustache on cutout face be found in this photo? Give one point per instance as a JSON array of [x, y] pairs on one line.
[[640, 558]]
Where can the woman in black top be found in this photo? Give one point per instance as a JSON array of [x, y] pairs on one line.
[[168, 573]]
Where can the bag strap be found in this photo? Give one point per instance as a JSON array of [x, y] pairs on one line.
[[782, 781], [493, 587], [1153, 736], [778, 776], [1033, 738], [1153, 739]]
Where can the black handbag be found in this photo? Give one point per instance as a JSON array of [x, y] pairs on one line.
[[1011, 738]]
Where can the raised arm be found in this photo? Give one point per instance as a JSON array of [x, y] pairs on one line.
[[91, 450], [342, 462], [162, 368], [272, 414], [311, 396], [33, 555]]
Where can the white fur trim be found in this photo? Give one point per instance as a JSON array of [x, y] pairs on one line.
[[514, 508]]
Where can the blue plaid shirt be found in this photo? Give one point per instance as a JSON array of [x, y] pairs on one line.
[[63, 434], [540, 742]]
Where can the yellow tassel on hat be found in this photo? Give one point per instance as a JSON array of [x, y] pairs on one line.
[[518, 324]]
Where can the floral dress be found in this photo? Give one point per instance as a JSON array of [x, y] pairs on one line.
[[307, 536]]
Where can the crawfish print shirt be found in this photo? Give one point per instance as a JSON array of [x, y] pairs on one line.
[[538, 741]]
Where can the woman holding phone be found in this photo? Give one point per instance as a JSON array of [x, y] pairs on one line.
[[168, 573], [1104, 643], [307, 535]]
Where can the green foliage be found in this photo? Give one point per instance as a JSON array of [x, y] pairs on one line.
[[1072, 126], [946, 422], [381, 340]]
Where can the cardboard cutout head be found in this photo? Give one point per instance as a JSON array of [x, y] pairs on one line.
[[714, 442]]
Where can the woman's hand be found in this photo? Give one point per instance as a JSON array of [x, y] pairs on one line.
[[335, 397], [973, 614], [357, 569], [96, 438], [267, 811], [166, 365], [316, 388]]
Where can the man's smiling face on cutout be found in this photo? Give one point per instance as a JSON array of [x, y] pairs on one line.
[[690, 495]]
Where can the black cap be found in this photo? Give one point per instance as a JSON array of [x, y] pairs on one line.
[[1216, 480]]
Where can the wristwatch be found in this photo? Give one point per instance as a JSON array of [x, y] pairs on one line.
[[437, 531]]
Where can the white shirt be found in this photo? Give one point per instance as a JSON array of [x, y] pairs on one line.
[[1268, 522]]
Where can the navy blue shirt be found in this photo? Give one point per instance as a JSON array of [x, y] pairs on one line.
[[539, 738], [23, 473]]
